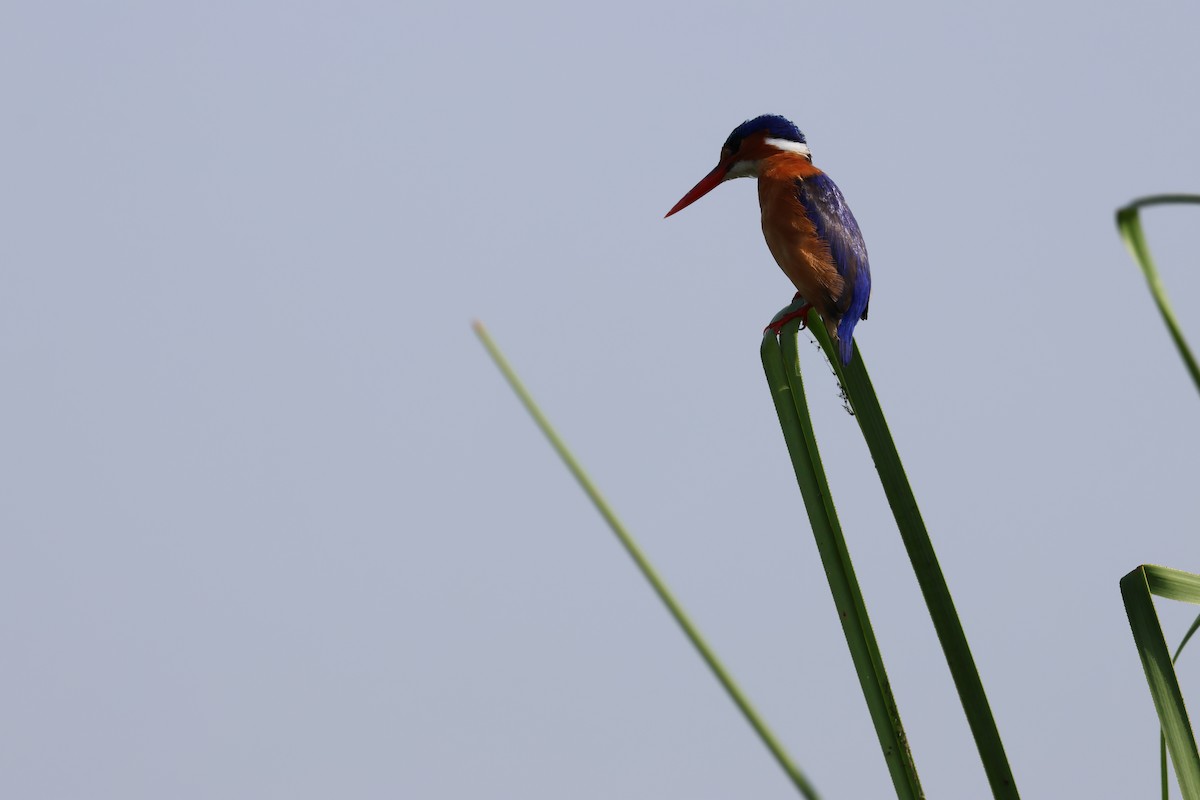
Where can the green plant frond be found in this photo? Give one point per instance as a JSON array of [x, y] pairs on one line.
[[1130, 226], [860, 394], [782, 368], [1173, 584], [1137, 590]]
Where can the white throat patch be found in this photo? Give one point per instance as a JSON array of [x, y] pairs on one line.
[[742, 169]]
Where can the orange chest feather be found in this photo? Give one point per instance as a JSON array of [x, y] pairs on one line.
[[791, 236]]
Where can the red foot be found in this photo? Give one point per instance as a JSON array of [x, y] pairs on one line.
[[800, 314]]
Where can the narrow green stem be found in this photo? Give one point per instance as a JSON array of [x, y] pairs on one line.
[[787, 389], [660, 588], [861, 395]]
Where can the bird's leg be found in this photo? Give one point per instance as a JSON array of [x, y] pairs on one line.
[[789, 313]]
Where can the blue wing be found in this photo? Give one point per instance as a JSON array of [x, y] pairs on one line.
[[826, 207]]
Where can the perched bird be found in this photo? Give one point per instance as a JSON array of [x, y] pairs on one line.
[[807, 224]]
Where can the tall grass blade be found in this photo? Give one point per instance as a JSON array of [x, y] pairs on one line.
[[1129, 223], [768, 738], [1162, 740], [1137, 589], [787, 390], [861, 395]]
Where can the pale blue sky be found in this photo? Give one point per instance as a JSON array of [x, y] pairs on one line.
[[273, 527]]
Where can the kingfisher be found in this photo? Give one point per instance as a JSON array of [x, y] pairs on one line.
[[808, 226]]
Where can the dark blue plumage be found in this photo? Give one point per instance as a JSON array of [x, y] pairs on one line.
[[773, 125], [835, 224]]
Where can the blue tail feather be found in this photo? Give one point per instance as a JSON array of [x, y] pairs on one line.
[[857, 310], [846, 339]]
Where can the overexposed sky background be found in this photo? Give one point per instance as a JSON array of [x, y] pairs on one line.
[[272, 525]]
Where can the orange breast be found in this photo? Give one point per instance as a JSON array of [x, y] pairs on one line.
[[791, 236]]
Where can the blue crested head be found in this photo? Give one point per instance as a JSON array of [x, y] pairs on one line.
[[773, 125]]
